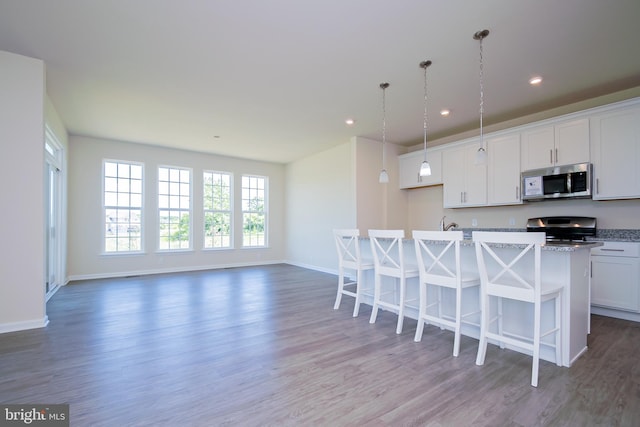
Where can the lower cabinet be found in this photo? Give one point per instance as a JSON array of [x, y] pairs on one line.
[[615, 276]]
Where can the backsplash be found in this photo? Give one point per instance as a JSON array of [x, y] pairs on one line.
[[618, 234]]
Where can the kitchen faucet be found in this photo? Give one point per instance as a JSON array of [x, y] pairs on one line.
[[448, 226]]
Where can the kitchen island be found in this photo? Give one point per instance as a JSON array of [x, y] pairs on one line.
[[566, 264]]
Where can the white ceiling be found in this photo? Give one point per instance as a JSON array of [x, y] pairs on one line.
[[275, 79]]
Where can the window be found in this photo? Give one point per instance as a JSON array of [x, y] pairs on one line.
[[122, 206], [217, 209], [174, 208], [254, 211]]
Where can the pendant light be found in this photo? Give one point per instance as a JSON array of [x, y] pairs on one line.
[[384, 176], [425, 167], [481, 154]]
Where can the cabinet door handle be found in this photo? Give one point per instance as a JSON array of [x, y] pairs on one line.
[[597, 185], [517, 193], [556, 155], [611, 250], [551, 156]]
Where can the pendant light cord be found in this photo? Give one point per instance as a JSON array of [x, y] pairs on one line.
[[384, 86], [425, 65], [481, 93]]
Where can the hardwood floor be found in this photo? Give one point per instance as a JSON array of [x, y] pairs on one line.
[[262, 346]]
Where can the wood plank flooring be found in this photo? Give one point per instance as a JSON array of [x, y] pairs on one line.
[[262, 346]]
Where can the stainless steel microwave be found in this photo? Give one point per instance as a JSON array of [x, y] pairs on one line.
[[568, 181]]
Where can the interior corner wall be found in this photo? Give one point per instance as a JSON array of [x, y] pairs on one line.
[[22, 97], [379, 206], [320, 196]]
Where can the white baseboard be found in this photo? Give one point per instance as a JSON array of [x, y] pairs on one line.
[[24, 325], [166, 270], [618, 314], [313, 267]]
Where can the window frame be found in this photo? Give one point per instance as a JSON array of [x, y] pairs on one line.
[[170, 209], [228, 212], [265, 209], [106, 207]]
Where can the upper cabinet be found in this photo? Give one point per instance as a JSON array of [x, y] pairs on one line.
[[557, 144], [615, 153], [410, 167], [503, 173], [607, 136], [465, 183]]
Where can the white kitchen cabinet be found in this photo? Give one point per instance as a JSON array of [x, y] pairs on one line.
[[615, 154], [409, 165], [503, 173], [615, 276], [465, 183], [563, 143]]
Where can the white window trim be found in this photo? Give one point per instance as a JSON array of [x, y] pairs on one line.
[[142, 212], [191, 178], [266, 212], [231, 212]]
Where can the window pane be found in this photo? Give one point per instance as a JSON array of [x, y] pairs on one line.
[[123, 170], [163, 174], [136, 172], [217, 209], [254, 216], [136, 200], [174, 204], [110, 199], [110, 184], [110, 169], [122, 207], [123, 185]]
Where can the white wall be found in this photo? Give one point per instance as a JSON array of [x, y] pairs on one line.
[[321, 196], [379, 206], [85, 245], [22, 97], [339, 188]]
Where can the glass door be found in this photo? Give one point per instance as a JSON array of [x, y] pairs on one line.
[[53, 214]]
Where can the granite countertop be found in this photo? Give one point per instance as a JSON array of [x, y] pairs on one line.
[[555, 247], [602, 235], [616, 235]]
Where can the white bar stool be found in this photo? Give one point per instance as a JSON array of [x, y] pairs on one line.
[[388, 260], [438, 255], [506, 276], [349, 260]]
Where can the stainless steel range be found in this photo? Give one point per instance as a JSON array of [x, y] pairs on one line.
[[562, 230]]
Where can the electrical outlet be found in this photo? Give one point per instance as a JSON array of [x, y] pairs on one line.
[[512, 221], [474, 222]]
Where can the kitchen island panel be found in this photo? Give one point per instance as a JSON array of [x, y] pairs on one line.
[[566, 265]]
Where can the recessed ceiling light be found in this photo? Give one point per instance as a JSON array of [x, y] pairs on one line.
[[444, 112], [534, 81], [350, 122]]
